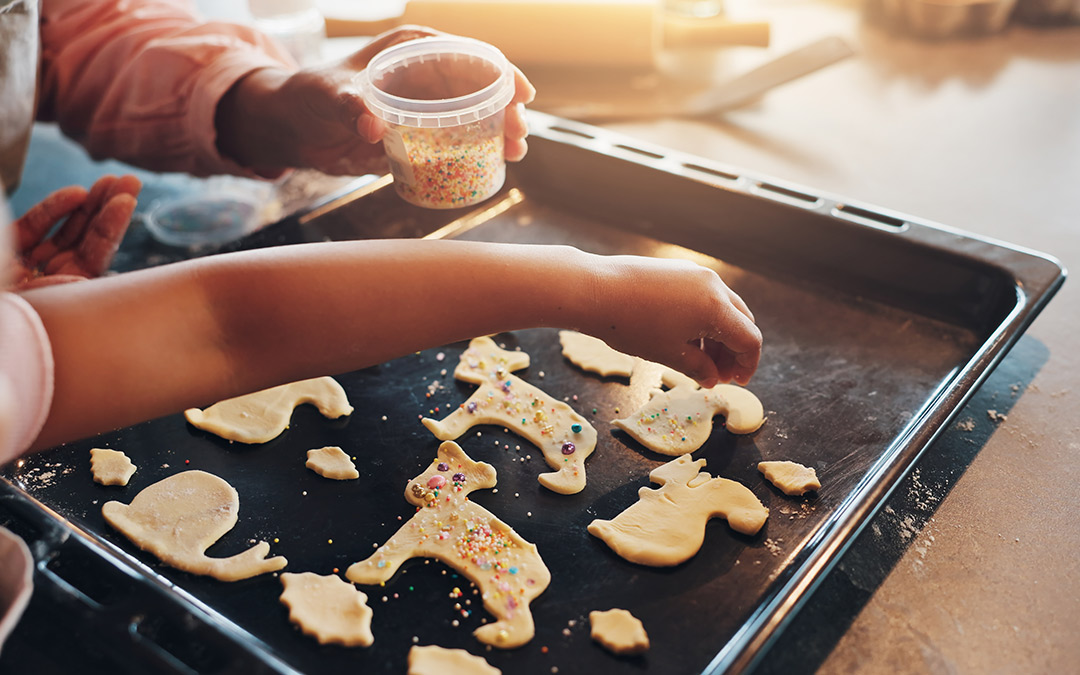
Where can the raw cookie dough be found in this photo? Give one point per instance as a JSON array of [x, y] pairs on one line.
[[563, 436], [619, 631], [793, 479], [328, 609], [435, 660], [449, 527], [680, 420], [262, 416], [593, 354], [667, 525], [110, 467], [178, 518], [331, 462]]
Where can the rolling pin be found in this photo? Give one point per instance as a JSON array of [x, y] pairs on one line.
[[589, 33]]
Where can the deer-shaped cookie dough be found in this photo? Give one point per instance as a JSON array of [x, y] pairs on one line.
[[667, 525], [675, 421], [563, 436], [447, 526]]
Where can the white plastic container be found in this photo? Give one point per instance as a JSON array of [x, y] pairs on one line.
[[444, 99]]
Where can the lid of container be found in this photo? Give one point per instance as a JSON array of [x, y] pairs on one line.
[[440, 112]]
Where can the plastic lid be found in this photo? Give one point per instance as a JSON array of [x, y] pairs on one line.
[[445, 112]]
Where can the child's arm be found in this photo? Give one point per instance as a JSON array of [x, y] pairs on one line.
[[149, 343]]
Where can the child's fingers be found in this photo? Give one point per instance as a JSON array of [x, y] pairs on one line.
[[698, 365], [36, 222], [98, 246]]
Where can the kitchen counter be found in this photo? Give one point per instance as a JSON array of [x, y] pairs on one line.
[[972, 565]]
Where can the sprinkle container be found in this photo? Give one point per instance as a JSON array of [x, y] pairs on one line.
[[444, 100]]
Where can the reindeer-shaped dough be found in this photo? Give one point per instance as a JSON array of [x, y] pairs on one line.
[[667, 525], [447, 526], [679, 420], [563, 436], [672, 422]]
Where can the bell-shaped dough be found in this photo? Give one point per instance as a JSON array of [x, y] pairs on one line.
[[178, 518]]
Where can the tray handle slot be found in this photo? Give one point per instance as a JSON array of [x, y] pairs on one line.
[[868, 217], [90, 576], [639, 151], [571, 132], [715, 173], [787, 194], [182, 647]]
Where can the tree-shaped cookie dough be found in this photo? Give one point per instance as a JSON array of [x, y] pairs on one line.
[[262, 416], [178, 518], [447, 526], [564, 437], [328, 609], [667, 525]]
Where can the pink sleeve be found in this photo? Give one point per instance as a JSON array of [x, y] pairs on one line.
[[140, 80], [26, 376]]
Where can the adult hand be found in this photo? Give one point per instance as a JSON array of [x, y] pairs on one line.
[[93, 223], [315, 118]]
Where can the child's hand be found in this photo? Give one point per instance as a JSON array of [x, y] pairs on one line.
[[315, 118], [83, 247], [677, 313]]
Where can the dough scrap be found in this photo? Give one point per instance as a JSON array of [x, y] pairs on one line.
[[679, 420], [331, 462], [792, 478], [593, 354], [449, 527], [666, 526], [110, 467], [262, 416], [619, 631], [328, 609], [178, 518], [435, 660], [564, 437]]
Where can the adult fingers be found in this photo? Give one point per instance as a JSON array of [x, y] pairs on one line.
[[524, 91], [515, 150], [358, 60], [36, 222]]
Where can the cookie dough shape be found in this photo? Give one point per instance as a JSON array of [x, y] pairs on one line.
[[594, 355], [449, 527], [680, 420], [110, 467], [178, 518], [619, 631], [331, 462], [667, 525], [435, 660], [263, 415], [792, 478], [328, 609], [564, 437]]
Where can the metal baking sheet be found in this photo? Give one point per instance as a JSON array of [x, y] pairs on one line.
[[878, 327]]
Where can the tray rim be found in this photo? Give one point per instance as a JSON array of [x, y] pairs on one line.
[[1034, 285], [1033, 289]]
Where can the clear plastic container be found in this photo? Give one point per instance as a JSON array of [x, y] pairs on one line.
[[444, 100]]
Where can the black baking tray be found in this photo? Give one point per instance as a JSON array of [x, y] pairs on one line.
[[878, 328]]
